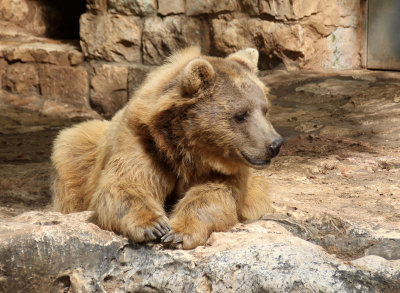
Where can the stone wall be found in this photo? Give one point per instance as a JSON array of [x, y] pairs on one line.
[[298, 34], [51, 18], [122, 40], [304, 34]]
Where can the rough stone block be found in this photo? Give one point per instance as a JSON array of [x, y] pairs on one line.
[[350, 13], [37, 17], [76, 58], [21, 111], [196, 7], [21, 78], [250, 7], [166, 7], [162, 36], [14, 11], [333, 14], [109, 91], [289, 10], [111, 37], [96, 5], [63, 54], [69, 84], [277, 42], [136, 76], [133, 7], [230, 36]]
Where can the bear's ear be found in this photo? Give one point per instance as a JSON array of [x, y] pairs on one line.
[[198, 73], [247, 57]]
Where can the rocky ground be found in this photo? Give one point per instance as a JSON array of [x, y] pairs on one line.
[[335, 187]]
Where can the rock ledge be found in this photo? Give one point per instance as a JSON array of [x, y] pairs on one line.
[[49, 252]]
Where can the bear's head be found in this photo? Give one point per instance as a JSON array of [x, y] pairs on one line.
[[227, 120], [198, 111]]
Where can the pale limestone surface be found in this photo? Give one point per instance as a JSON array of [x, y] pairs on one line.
[[50, 252]]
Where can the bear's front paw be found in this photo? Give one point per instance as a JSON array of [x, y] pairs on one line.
[[160, 228], [178, 240], [149, 232]]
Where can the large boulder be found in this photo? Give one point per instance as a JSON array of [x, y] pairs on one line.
[[111, 37], [163, 36], [277, 42], [51, 252], [109, 86]]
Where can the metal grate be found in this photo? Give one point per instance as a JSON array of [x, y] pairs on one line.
[[383, 43]]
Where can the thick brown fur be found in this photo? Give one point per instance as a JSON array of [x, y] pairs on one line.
[[187, 137]]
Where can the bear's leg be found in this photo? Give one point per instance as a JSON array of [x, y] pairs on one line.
[[256, 202], [74, 156], [204, 209], [131, 211]]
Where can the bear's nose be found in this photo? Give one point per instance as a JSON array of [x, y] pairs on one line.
[[274, 147]]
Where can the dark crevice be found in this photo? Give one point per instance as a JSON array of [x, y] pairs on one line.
[[62, 18], [269, 62], [62, 284]]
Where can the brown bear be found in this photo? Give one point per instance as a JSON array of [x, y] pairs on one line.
[[174, 162]]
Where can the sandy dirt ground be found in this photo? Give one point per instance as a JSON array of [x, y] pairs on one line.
[[336, 181], [338, 175]]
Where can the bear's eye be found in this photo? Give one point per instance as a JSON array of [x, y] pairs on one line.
[[265, 111], [241, 117]]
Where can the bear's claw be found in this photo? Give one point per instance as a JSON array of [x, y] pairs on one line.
[[172, 238], [161, 228], [156, 230], [165, 226], [167, 237], [150, 234]]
